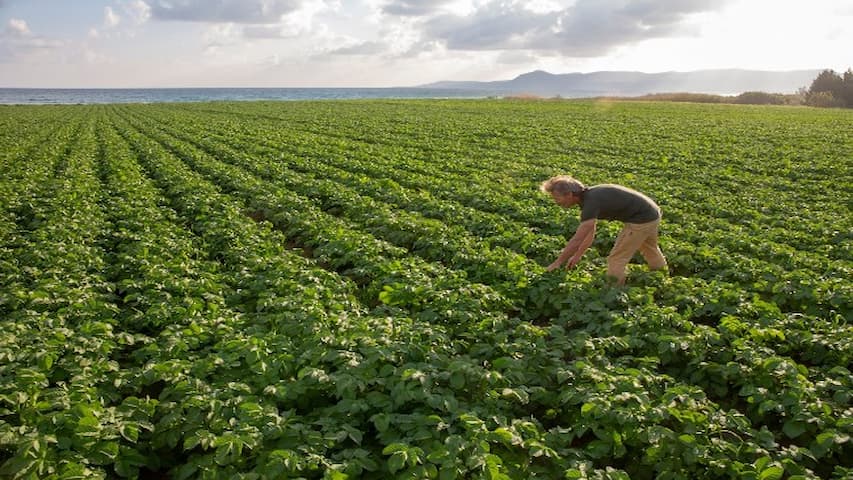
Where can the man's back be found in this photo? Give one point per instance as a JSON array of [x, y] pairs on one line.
[[615, 202]]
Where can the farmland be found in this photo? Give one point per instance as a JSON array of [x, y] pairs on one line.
[[356, 289]]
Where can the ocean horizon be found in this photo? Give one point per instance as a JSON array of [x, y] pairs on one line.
[[70, 96]]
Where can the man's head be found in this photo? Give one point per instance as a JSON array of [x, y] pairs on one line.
[[565, 190]]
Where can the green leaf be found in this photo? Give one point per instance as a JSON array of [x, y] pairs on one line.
[[493, 468], [394, 448], [130, 431], [382, 422], [793, 428], [104, 453], [397, 461], [773, 472], [335, 475], [448, 473], [501, 435], [457, 380], [438, 455], [598, 448]]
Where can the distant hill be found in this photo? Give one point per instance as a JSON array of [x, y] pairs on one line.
[[719, 82]]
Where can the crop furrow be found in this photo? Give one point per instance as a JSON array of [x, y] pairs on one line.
[[171, 291], [429, 239], [340, 368], [26, 198], [490, 228], [595, 344], [386, 274], [417, 158], [685, 259], [27, 177], [162, 277], [709, 217], [347, 136], [248, 292], [59, 338], [713, 262], [376, 168], [712, 377], [293, 316], [712, 372], [25, 142], [223, 226]]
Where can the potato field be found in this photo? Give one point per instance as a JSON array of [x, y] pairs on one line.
[[357, 290]]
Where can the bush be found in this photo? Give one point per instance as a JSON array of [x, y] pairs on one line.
[[684, 97], [823, 99], [761, 98]]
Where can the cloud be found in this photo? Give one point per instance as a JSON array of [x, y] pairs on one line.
[[583, 29], [222, 11], [413, 7], [363, 48], [18, 28], [297, 22], [265, 31], [111, 19], [516, 57], [138, 11], [18, 42]]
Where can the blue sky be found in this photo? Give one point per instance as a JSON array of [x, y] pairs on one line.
[[381, 43]]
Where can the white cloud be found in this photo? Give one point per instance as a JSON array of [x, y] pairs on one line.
[[582, 29], [138, 11], [222, 35], [222, 11], [19, 43], [398, 42], [18, 28], [92, 57], [542, 6], [300, 21], [516, 57], [111, 19], [361, 48], [415, 8]]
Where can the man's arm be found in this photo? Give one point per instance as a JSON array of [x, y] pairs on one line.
[[586, 232], [576, 246]]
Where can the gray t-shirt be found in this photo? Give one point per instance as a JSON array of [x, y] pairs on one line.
[[615, 202]]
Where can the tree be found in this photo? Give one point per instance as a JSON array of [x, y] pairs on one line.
[[827, 81], [828, 90], [847, 88]]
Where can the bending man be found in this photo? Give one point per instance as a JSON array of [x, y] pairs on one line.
[[640, 214]]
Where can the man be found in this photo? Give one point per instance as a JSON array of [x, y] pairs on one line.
[[640, 214]]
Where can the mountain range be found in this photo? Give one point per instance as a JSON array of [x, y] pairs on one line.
[[719, 82]]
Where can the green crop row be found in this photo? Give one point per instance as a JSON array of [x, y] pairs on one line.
[[749, 259], [232, 154], [356, 290]]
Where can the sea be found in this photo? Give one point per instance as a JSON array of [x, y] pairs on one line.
[[70, 96]]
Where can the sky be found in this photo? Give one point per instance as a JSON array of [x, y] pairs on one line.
[[395, 43]]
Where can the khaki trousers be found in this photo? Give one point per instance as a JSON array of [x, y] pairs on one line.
[[633, 237]]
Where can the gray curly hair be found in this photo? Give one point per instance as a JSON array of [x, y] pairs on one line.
[[562, 185]]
